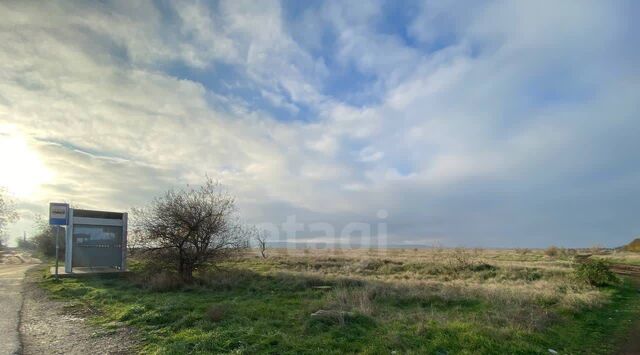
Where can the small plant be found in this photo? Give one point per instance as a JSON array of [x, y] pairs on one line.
[[596, 272]]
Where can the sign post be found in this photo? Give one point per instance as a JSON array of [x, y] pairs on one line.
[[57, 247], [58, 216]]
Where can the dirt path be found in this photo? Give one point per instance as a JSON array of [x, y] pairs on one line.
[[13, 265], [53, 327], [632, 344]]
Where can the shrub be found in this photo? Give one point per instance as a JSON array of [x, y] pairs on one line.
[[596, 272], [45, 242], [460, 260], [552, 251]]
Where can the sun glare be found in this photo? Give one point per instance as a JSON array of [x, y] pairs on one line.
[[23, 172]]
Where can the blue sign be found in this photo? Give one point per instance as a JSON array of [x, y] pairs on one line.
[[58, 214]]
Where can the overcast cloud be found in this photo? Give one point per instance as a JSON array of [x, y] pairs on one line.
[[496, 123]]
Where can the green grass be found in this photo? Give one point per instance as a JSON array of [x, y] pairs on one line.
[[268, 312], [598, 331]]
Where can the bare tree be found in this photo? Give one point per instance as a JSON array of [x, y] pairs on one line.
[[8, 213], [192, 227], [261, 239]]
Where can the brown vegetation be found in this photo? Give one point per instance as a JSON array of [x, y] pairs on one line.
[[522, 286]]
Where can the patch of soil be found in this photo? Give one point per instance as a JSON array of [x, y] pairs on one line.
[[54, 327]]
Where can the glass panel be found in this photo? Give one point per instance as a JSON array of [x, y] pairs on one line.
[[86, 235]]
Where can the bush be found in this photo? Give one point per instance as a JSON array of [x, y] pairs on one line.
[[552, 251], [45, 242], [596, 273], [192, 227]]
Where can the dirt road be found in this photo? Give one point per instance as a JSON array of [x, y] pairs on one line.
[[13, 266], [32, 323]]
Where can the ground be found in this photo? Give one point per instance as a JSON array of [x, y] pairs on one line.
[[55, 327], [12, 268], [32, 323], [402, 301]]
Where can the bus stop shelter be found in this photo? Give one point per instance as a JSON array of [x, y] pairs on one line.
[[96, 241]]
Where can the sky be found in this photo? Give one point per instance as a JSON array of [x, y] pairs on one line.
[[454, 123]]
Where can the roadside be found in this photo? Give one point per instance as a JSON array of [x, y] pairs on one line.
[[57, 327], [13, 266]]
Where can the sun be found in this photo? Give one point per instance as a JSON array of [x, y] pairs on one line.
[[22, 171]]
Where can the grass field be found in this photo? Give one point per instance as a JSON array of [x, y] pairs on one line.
[[438, 301]]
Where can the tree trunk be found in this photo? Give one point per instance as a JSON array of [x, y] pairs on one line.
[[185, 269], [186, 273]]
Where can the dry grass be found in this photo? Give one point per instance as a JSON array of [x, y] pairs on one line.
[[522, 288], [352, 299], [622, 257]]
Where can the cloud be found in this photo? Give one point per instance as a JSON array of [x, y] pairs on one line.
[[491, 123]]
